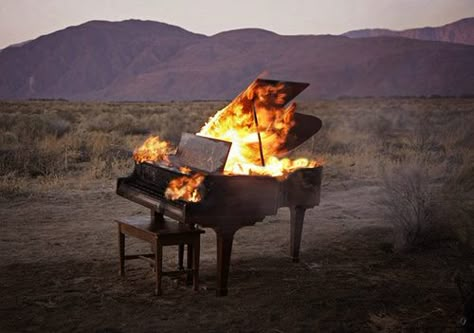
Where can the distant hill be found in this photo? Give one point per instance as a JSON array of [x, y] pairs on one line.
[[144, 60], [461, 31]]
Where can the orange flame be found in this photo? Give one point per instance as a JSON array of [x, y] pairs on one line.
[[185, 188], [236, 123], [184, 169], [153, 150]]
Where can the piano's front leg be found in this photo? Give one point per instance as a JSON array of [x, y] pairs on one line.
[[225, 238]]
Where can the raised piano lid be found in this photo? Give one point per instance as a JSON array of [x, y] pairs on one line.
[[305, 125], [304, 128], [286, 90]]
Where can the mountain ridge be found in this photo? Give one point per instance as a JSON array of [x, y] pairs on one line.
[[461, 31], [147, 60]]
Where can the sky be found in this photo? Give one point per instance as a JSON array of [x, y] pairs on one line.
[[22, 20]]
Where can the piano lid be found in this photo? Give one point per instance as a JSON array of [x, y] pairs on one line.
[[279, 93], [304, 128], [276, 94], [269, 93]]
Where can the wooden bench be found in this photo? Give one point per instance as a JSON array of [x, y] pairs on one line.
[[162, 233]]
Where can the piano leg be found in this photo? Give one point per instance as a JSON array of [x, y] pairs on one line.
[[224, 250], [296, 228], [189, 264]]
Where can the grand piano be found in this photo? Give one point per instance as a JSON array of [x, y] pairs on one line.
[[230, 202]]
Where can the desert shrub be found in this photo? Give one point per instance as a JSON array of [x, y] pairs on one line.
[[172, 127], [458, 199], [411, 201], [96, 143], [32, 127], [56, 125], [129, 125], [12, 185], [100, 123], [427, 202], [7, 120], [380, 127], [45, 157], [8, 139], [109, 168], [31, 162], [125, 124], [422, 137], [68, 115]]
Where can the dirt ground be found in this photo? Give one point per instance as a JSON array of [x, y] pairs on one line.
[[59, 264]]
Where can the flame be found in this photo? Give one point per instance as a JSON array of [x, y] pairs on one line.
[[236, 123], [184, 169], [278, 167], [185, 188], [153, 150]]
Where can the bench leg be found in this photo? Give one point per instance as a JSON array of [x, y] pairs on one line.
[[158, 267], [196, 250], [180, 257], [121, 243], [189, 264]]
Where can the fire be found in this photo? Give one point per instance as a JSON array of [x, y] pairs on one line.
[[186, 170], [185, 188], [277, 167], [153, 150], [236, 123]]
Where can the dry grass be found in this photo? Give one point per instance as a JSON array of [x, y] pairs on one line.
[[348, 280], [411, 201], [58, 140], [420, 150]]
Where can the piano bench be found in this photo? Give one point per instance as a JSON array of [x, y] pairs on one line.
[[159, 234]]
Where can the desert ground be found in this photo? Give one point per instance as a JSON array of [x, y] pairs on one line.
[[361, 269]]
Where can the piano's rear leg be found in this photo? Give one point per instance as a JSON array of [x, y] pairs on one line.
[[296, 229], [224, 250]]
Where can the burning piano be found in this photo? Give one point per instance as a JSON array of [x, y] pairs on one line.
[[234, 172]]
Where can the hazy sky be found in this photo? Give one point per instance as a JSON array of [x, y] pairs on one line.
[[22, 20]]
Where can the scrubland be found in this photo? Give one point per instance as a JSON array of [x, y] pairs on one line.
[[381, 253]]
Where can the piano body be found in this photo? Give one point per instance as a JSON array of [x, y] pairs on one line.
[[231, 202]]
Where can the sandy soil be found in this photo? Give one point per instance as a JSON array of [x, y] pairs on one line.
[[58, 264]]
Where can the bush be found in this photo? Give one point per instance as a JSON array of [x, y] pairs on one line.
[[458, 196], [123, 123], [410, 200], [427, 203], [8, 139]]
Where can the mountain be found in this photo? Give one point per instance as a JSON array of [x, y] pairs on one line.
[[461, 31], [144, 60], [84, 59]]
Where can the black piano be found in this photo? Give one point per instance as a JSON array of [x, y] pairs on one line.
[[230, 202]]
